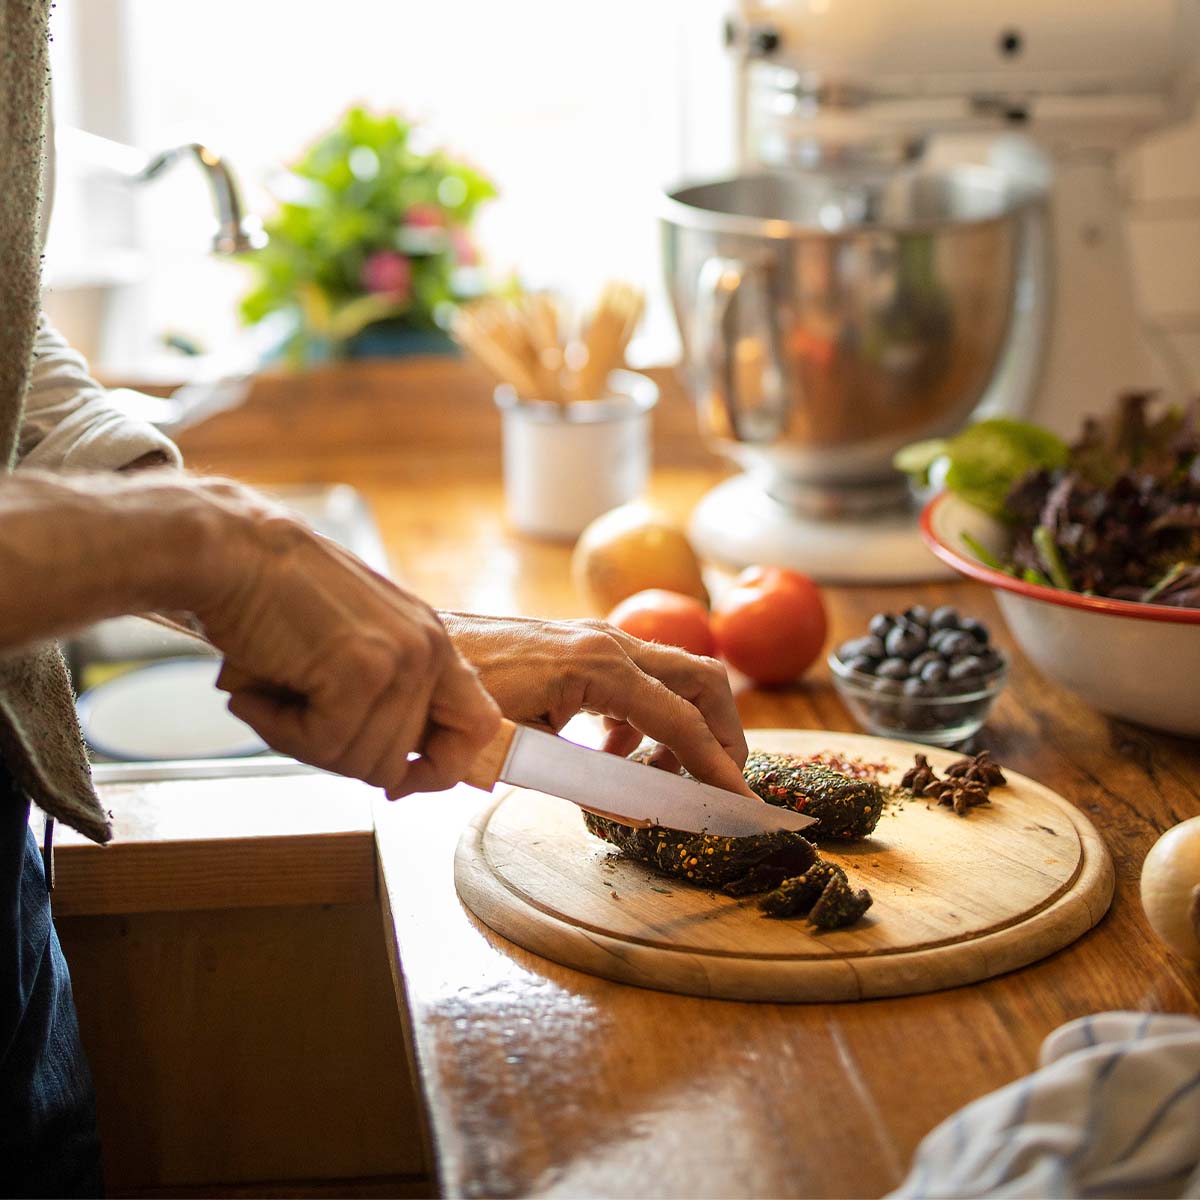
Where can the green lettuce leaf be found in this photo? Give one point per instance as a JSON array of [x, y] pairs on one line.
[[985, 460]]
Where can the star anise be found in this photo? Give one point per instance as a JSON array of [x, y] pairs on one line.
[[961, 794], [920, 778], [977, 768]]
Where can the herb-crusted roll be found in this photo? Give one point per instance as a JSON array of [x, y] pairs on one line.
[[783, 865], [762, 861], [845, 808]]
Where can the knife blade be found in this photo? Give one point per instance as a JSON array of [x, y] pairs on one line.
[[612, 786]]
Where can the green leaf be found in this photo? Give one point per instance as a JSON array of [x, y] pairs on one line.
[[1047, 548], [987, 459], [916, 458], [982, 553], [356, 183], [354, 316], [259, 303]]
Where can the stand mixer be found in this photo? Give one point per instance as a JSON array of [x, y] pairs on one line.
[[926, 228]]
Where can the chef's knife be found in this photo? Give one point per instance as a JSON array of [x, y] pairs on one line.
[[625, 791], [607, 784]]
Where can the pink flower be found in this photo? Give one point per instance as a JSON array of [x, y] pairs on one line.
[[388, 273], [465, 252], [424, 216]]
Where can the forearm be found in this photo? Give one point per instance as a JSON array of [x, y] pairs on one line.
[[77, 549]]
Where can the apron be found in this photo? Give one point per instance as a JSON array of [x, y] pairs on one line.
[[48, 1140]]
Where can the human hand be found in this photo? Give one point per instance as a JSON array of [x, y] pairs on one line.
[[544, 672], [333, 664]]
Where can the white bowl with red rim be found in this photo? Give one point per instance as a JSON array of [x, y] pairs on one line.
[[1139, 662]]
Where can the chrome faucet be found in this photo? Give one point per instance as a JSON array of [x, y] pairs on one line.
[[236, 232], [228, 377]]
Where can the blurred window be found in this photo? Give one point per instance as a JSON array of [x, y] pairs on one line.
[[579, 111]]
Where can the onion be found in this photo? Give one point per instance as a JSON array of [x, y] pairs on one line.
[[1171, 888], [631, 549]]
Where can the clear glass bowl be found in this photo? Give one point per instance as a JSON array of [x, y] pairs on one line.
[[937, 720]]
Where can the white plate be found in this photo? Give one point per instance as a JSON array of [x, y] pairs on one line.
[[168, 709]]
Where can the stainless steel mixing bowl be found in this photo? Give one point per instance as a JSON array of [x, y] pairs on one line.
[[830, 318]]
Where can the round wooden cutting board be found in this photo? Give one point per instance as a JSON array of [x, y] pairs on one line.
[[957, 899]]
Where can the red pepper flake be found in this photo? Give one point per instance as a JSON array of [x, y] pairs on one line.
[[852, 768]]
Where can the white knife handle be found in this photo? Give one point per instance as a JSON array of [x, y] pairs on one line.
[[489, 762]]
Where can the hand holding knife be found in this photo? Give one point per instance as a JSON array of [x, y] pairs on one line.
[[607, 784], [621, 790]]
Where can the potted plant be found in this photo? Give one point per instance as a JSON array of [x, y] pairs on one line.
[[370, 249]]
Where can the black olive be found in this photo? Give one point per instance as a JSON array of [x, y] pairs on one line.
[[935, 671], [955, 644], [976, 628], [918, 614], [866, 647], [967, 667], [861, 663], [945, 617], [892, 668], [906, 641], [918, 664], [938, 637], [881, 623], [991, 660]]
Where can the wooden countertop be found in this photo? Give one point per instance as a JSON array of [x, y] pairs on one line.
[[538, 1080]]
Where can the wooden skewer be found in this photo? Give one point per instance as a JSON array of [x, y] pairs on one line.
[[497, 356], [522, 342], [542, 319], [541, 328], [608, 334], [633, 316], [594, 340]]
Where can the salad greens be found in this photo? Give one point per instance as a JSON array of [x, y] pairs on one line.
[[984, 461], [1116, 514]]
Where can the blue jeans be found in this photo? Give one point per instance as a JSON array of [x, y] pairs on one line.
[[48, 1140]]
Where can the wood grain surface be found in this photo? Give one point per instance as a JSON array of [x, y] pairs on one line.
[[227, 1048], [222, 843], [956, 899], [540, 1080]]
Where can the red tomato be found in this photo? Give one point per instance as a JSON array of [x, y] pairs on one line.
[[771, 624], [669, 618]]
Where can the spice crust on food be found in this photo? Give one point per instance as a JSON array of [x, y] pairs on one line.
[[784, 867]]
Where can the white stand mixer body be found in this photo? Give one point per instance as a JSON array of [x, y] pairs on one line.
[[1080, 80], [1077, 80], [1095, 346], [1078, 340]]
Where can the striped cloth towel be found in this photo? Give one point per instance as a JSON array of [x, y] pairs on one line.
[[1112, 1111]]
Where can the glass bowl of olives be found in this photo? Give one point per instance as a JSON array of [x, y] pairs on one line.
[[925, 676]]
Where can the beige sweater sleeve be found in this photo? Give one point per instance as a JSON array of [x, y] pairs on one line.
[[71, 422]]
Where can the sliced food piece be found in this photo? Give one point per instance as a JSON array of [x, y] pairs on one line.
[[845, 808], [783, 865], [823, 894], [763, 860]]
